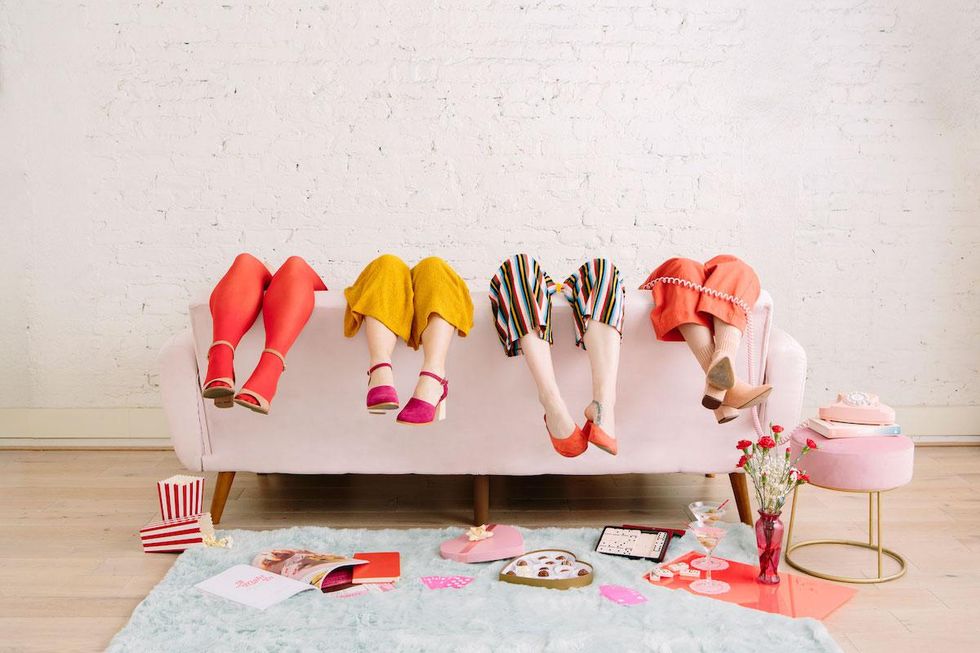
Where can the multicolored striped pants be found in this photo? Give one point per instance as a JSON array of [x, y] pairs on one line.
[[520, 297]]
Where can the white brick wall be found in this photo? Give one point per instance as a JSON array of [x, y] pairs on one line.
[[834, 144]]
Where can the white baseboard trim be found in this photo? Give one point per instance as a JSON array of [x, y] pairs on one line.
[[147, 427], [78, 424], [946, 440], [939, 421], [86, 443]]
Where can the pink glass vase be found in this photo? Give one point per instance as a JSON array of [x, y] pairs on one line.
[[769, 541]]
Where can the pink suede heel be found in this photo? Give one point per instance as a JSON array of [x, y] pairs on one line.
[[418, 412], [381, 398]]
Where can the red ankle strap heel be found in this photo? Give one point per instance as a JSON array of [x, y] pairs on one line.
[[259, 403], [220, 388]]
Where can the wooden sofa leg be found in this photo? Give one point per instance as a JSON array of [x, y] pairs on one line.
[[221, 489], [481, 500], [740, 487]]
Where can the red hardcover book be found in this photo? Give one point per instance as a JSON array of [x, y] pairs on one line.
[[383, 567]]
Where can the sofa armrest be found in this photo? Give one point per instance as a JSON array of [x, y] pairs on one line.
[[786, 371], [182, 401]]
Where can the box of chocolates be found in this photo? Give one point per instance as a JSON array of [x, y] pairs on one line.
[[552, 568]]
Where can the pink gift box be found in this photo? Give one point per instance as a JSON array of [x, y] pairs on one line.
[[175, 535], [181, 496]]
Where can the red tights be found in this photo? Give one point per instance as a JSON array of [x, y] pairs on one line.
[[286, 302]]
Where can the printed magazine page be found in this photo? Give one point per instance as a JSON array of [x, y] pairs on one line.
[[304, 565]]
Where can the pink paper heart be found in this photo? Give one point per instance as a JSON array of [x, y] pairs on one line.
[[622, 595], [507, 542], [446, 582]]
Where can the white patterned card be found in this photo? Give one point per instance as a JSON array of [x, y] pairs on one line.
[[253, 587]]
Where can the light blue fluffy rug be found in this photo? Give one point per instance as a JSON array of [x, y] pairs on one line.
[[487, 615]]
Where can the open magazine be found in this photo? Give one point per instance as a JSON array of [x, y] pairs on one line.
[[325, 571]]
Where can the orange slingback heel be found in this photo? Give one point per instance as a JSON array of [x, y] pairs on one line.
[[596, 435]]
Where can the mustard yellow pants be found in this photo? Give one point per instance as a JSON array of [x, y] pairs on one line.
[[404, 299]]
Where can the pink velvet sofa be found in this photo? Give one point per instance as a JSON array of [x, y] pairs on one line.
[[318, 423]]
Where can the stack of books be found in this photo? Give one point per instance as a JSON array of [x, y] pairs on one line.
[[855, 415], [831, 429]]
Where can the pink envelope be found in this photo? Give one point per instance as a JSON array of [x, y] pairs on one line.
[[506, 543], [446, 582], [622, 595]]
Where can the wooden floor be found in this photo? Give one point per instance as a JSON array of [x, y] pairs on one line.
[[71, 568]]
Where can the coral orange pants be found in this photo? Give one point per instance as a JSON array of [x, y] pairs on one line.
[[286, 302], [677, 304]]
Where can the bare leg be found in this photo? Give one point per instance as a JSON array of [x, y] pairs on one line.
[[381, 342], [436, 338], [537, 355], [602, 342]]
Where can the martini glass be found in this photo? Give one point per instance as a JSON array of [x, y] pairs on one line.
[[709, 535], [708, 513]]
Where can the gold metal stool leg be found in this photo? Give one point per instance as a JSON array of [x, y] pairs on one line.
[[872, 535]]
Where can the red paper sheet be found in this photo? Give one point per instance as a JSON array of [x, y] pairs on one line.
[[795, 596]]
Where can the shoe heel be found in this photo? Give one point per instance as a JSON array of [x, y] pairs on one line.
[[725, 414], [224, 402], [713, 397], [441, 411]]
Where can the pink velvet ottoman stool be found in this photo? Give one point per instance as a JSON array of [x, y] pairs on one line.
[[871, 464]]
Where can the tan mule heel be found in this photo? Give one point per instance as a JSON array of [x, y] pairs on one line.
[[742, 395], [222, 395], [263, 405]]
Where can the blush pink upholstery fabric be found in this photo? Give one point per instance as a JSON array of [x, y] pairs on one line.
[[318, 423], [869, 464]]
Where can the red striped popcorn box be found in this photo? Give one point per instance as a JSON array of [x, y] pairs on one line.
[[175, 535], [181, 496]]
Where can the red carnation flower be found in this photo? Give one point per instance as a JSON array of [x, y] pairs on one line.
[[743, 444], [741, 461], [777, 429], [766, 442], [811, 444], [804, 478]]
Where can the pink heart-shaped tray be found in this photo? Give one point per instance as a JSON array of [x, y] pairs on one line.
[[507, 542]]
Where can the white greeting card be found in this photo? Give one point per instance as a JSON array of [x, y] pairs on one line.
[[252, 587]]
